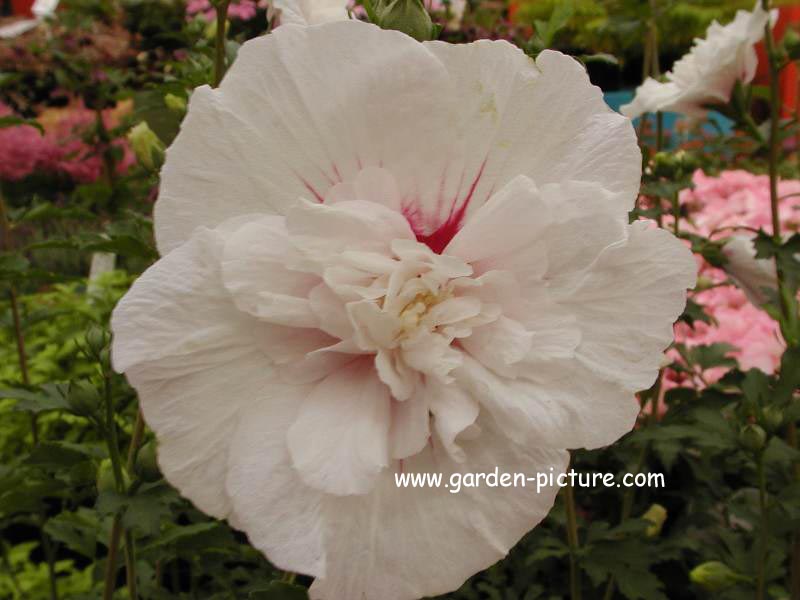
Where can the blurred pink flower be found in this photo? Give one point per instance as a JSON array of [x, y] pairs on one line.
[[72, 155], [733, 198], [737, 198], [243, 10], [61, 151], [20, 149]]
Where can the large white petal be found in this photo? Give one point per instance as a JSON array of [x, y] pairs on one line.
[[627, 303], [340, 441], [256, 269], [310, 12], [280, 514], [195, 360], [300, 110], [559, 404], [407, 543], [393, 543], [520, 213], [543, 120]]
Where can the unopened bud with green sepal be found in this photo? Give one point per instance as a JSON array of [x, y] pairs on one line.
[[83, 398], [97, 339], [107, 481], [147, 146], [175, 103], [772, 418], [408, 16], [791, 43], [656, 515], [752, 437], [716, 576], [146, 467]]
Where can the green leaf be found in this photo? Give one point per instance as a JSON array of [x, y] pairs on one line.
[[77, 530], [36, 400], [143, 511], [181, 533], [599, 57], [710, 250], [14, 121], [12, 265], [693, 313], [280, 590], [756, 387], [60, 455], [789, 379], [47, 211], [711, 355]]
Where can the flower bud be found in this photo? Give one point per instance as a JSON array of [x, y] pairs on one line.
[[673, 165], [147, 147], [715, 576], [408, 16], [772, 418], [210, 30], [97, 339], [176, 103], [106, 481], [105, 358], [791, 44], [752, 437], [83, 398], [656, 514], [751, 274], [146, 467]]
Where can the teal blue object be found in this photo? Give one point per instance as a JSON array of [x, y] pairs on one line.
[[715, 122]]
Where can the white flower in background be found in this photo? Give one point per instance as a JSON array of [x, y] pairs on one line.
[[307, 12], [384, 256], [753, 275], [708, 72], [44, 8], [41, 10]]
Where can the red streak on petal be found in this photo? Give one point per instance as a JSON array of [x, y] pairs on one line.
[[311, 189], [438, 239]]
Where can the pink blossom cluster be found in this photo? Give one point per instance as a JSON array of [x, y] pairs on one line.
[[732, 199], [60, 151], [243, 10]]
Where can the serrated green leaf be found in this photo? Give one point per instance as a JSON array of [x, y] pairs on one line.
[[36, 400]]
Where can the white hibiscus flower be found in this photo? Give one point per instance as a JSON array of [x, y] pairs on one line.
[[753, 275], [708, 72], [384, 256], [307, 12]]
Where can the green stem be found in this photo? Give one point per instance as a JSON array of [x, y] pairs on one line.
[[116, 530], [676, 213], [130, 542], [111, 561], [136, 439], [19, 336], [573, 542], [22, 358], [774, 156], [288, 577], [628, 497], [659, 131], [130, 564], [774, 146], [111, 435], [219, 50], [762, 539], [104, 147]]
